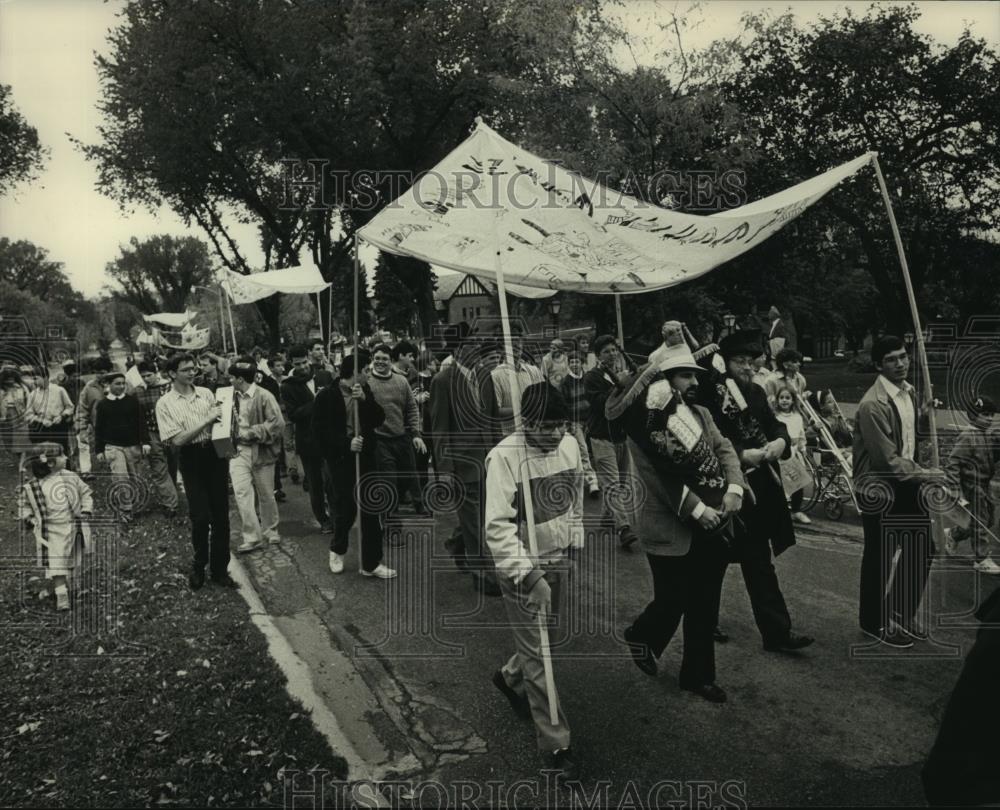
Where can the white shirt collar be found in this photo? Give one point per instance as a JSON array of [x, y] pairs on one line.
[[249, 392], [113, 398], [892, 389]]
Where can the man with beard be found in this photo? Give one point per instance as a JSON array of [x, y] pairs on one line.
[[740, 410], [694, 494]]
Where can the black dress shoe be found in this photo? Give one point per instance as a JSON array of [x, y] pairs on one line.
[[790, 643], [196, 578], [642, 655], [562, 765], [519, 703], [720, 635], [225, 581], [709, 691]]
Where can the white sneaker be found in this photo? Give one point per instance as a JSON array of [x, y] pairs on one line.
[[593, 489], [801, 517], [987, 566], [380, 571], [336, 563], [244, 548], [62, 598], [950, 546]]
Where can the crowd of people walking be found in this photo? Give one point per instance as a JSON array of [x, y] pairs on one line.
[[712, 436]]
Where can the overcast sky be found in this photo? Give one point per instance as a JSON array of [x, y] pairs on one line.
[[47, 55]]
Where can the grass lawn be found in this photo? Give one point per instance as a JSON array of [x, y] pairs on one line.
[[179, 705]]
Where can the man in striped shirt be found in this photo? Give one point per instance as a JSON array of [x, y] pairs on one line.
[[185, 415]]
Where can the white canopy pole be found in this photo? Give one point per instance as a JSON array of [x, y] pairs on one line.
[[319, 316], [529, 508], [354, 409], [918, 332], [232, 328]]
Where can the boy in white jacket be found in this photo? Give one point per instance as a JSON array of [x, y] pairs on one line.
[[545, 454]]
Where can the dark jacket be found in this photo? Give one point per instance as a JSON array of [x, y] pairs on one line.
[[323, 377], [332, 424], [598, 386], [119, 422], [466, 427], [961, 770], [298, 401], [751, 428]]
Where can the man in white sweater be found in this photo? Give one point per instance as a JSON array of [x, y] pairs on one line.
[[547, 455]]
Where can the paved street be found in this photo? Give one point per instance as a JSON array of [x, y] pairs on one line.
[[405, 666]]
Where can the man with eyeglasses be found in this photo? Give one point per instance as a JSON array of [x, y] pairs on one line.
[[185, 415], [740, 410], [545, 457]]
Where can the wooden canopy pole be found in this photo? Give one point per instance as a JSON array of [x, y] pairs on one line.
[[918, 332]]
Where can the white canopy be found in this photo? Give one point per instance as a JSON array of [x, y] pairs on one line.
[[557, 230], [293, 280], [173, 320]]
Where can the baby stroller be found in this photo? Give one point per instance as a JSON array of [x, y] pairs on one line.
[[829, 463]]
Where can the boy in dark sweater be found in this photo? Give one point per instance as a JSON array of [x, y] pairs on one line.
[[121, 437], [573, 391]]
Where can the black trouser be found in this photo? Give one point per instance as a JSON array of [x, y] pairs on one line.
[[795, 502], [280, 467], [688, 586], [342, 474], [471, 523], [394, 456], [206, 479], [768, 604], [905, 526], [321, 490]]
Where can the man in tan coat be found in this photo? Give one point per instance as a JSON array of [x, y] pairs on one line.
[[693, 493]]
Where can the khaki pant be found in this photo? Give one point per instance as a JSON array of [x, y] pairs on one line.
[[126, 494], [159, 473], [523, 671], [249, 481], [613, 464], [84, 441], [589, 476]]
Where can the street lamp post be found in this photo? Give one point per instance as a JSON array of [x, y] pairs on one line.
[[222, 317], [554, 306], [729, 321]]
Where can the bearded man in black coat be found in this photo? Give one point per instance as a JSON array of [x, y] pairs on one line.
[[740, 410]]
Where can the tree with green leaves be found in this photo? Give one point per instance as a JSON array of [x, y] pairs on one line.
[[157, 274], [814, 97], [214, 108], [21, 153]]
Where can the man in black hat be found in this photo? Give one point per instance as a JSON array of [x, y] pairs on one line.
[[740, 410]]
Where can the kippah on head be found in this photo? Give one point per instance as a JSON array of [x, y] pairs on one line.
[[299, 351], [244, 367], [542, 402], [112, 375], [146, 367], [786, 355]]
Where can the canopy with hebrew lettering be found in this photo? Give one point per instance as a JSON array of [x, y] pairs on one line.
[[554, 229], [173, 320], [245, 289]]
